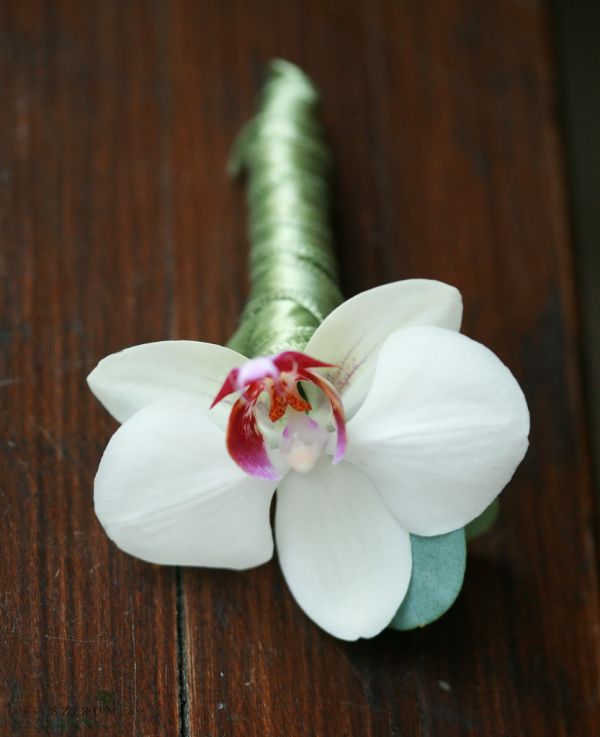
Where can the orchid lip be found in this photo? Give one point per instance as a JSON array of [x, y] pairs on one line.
[[302, 441]]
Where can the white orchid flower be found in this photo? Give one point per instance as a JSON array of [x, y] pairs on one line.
[[403, 426]]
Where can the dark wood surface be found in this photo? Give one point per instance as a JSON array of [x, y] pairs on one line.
[[118, 226]]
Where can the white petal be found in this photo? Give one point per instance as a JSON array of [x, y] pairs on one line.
[[133, 378], [442, 430], [352, 335], [168, 492], [346, 560]]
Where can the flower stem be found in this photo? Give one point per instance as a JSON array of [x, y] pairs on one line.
[[293, 272]]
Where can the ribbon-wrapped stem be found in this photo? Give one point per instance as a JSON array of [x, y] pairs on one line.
[[293, 272]]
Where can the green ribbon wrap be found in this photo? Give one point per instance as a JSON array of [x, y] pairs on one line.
[[293, 271]]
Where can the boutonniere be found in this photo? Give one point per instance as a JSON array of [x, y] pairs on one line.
[[382, 429]]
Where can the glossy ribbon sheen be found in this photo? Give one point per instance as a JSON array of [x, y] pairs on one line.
[[293, 272]]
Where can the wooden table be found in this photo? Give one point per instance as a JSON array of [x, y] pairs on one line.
[[119, 226]]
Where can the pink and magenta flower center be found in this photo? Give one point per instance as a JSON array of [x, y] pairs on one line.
[[303, 440]]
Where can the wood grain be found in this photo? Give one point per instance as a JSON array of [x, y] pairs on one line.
[[119, 226], [88, 635]]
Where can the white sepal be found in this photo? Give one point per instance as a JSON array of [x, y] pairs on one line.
[[133, 378]]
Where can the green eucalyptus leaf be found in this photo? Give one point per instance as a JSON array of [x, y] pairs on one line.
[[484, 522], [437, 575]]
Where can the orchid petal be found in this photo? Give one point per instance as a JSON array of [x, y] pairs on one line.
[[168, 492], [245, 441], [345, 559], [133, 378], [442, 429], [351, 336]]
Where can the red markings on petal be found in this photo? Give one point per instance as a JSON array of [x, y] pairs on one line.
[[279, 404], [245, 442], [296, 402], [284, 393]]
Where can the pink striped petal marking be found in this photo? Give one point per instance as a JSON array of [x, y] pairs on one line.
[[245, 443]]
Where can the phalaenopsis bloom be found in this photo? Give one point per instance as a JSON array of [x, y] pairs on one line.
[[389, 422]]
